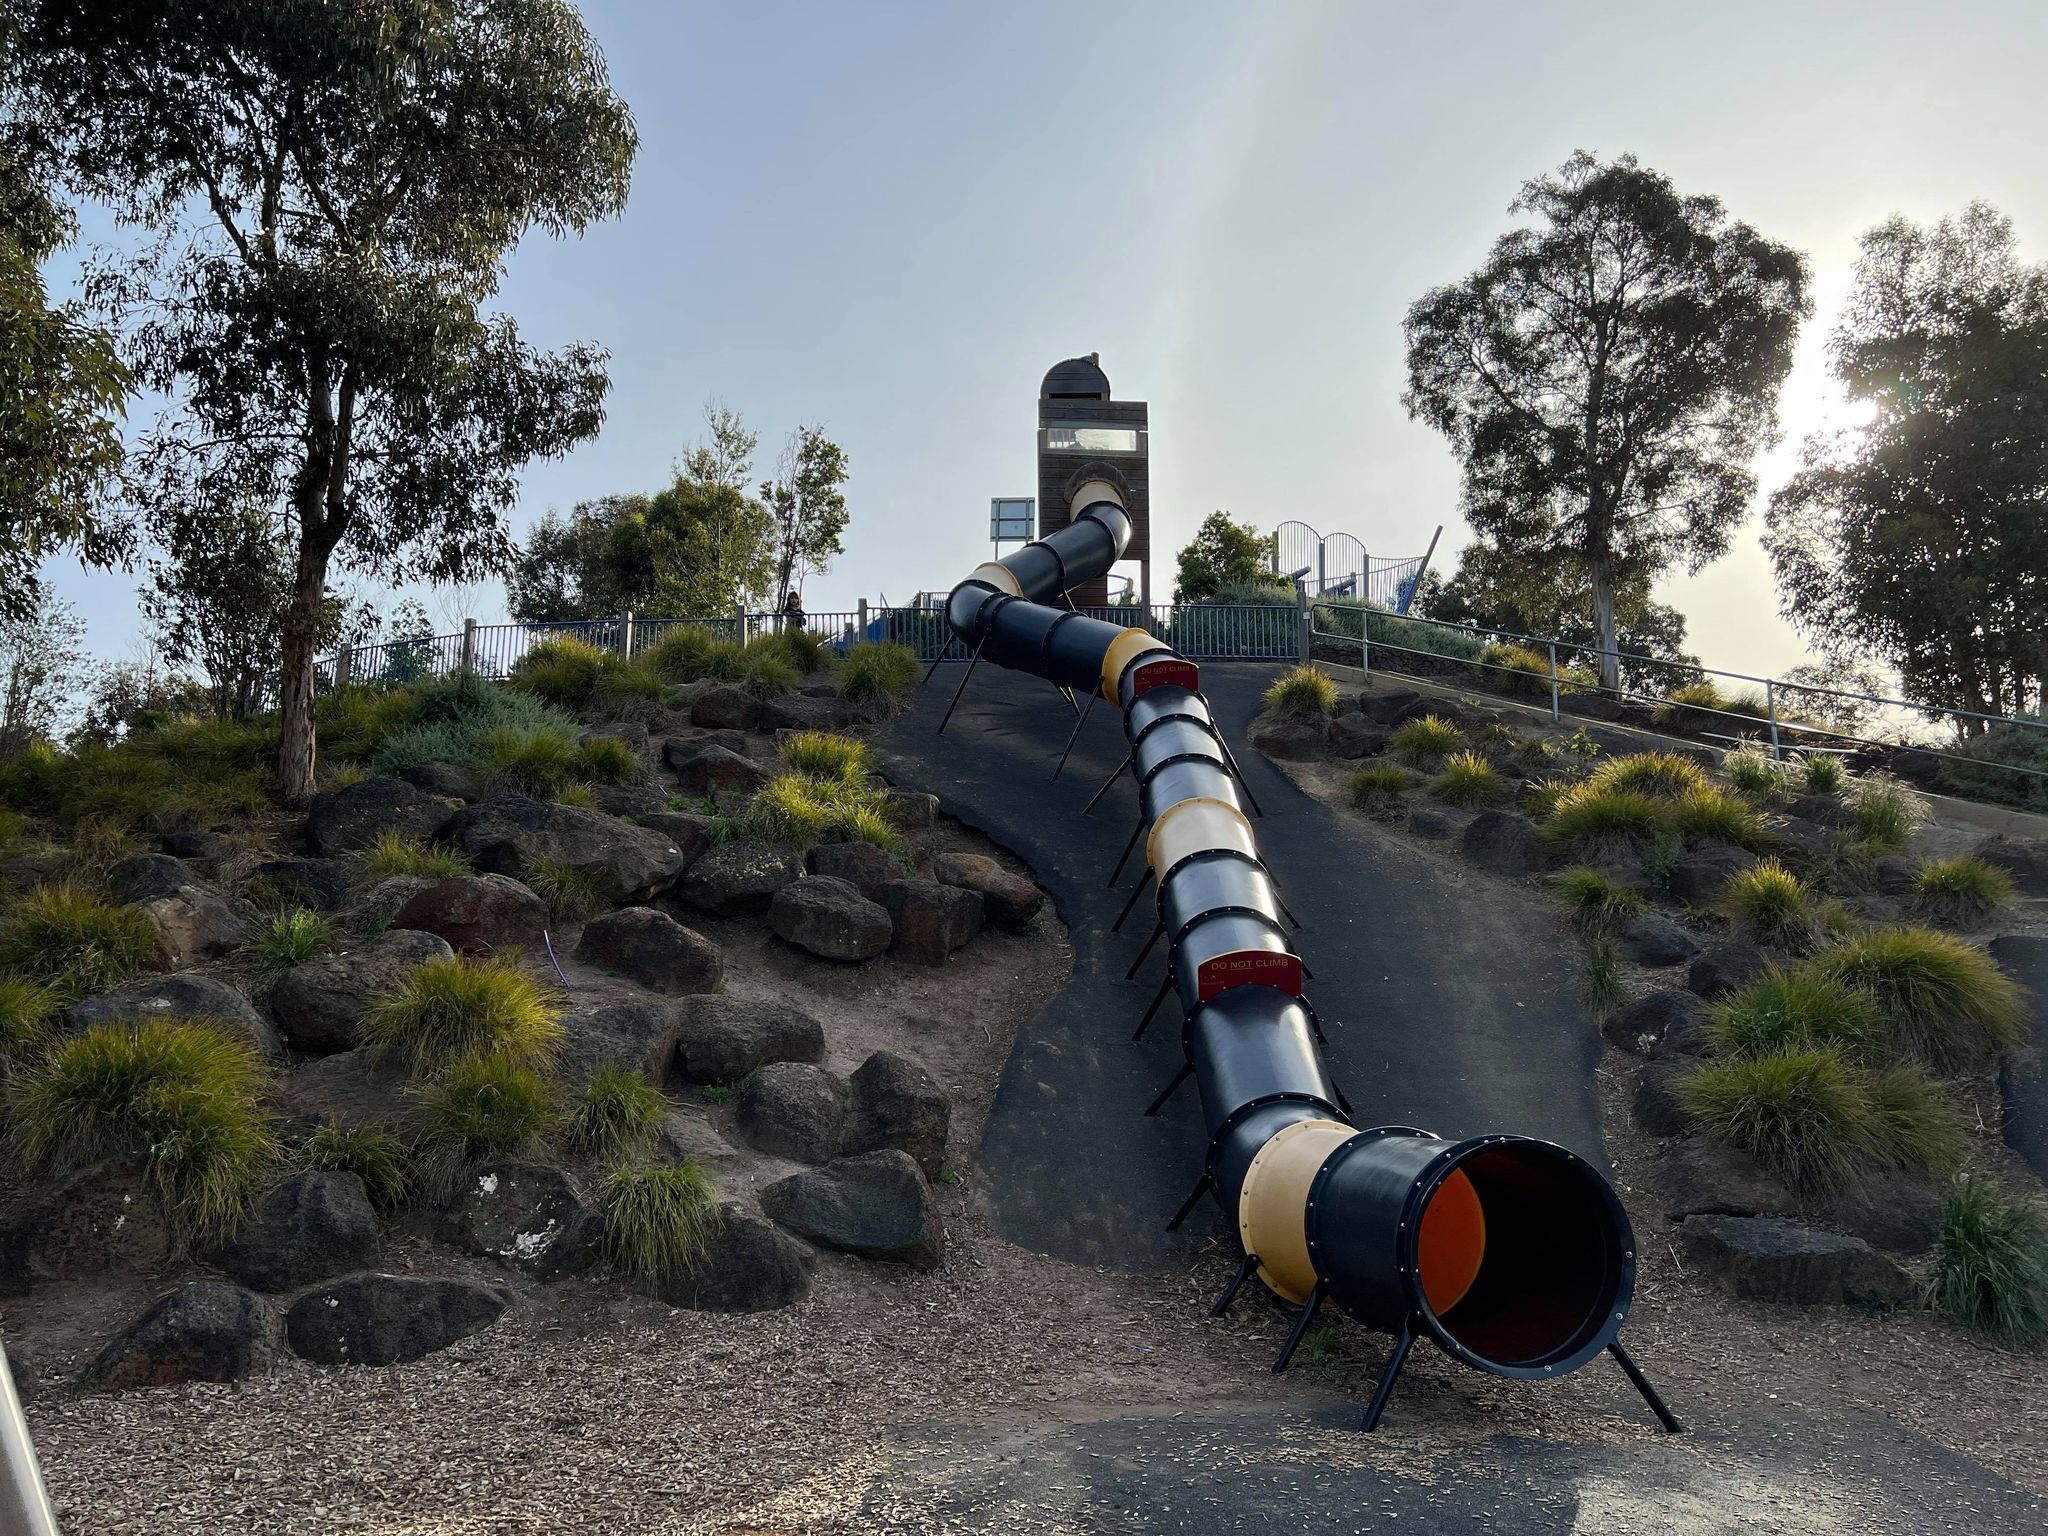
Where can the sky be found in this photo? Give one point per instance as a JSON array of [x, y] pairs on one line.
[[892, 218]]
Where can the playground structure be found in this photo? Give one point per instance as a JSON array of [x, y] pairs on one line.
[[1512, 1254], [1335, 567]]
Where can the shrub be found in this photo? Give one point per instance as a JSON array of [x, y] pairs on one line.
[[182, 1096], [617, 1115], [1792, 1010], [449, 1011], [1600, 980], [1661, 859], [882, 672], [1661, 775], [1960, 891], [1690, 708], [470, 723], [657, 1219], [1523, 671], [1597, 903], [1591, 816], [1377, 783], [25, 1009], [1822, 773], [607, 760], [74, 942], [539, 763], [1467, 779], [682, 654], [292, 939], [1802, 1113], [1772, 903], [1995, 755], [765, 669], [574, 674], [571, 893], [1426, 740], [1540, 797], [353, 721], [1755, 773], [1917, 1128], [1991, 1270], [1881, 813], [1715, 815], [395, 854], [826, 755], [1302, 691], [371, 1153], [1940, 1000], [486, 1107]]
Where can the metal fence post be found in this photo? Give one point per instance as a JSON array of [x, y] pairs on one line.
[[1771, 702], [1365, 643], [1556, 716], [469, 645], [626, 635], [1303, 624], [862, 632], [739, 623], [344, 665]]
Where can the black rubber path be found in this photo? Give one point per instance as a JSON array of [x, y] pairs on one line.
[[1444, 1009], [2024, 1074]]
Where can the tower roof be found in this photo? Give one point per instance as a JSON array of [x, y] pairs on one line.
[[1078, 378]]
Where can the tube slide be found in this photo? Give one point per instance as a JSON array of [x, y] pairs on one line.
[[1512, 1254]]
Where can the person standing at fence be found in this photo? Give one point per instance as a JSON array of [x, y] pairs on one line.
[[793, 610]]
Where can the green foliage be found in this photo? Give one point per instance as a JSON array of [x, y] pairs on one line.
[[485, 1107], [607, 760], [798, 809], [1692, 707], [1803, 1113], [1426, 740], [450, 1011], [377, 1157], [1664, 775], [1600, 980], [1960, 891], [1755, 773], [1917, 1129], [1526, 671], [355, 720], [292, 939], [1716, 815], [1772, 904], [1541, 797], [74, 942], [682, 653], [1592, 817], [617, 1115], [879, 672], [471, 723], [1822, 773], [572, 893], [571, 672], [159, 779], [1376, 783], [1881, 813], [25, 1009], [1660, 860], [1792, 1010], [395, 854], [657, 1220], [539, 763], [801, 650], [1598, 903], [1302, 691], [1223, 553], [1994, 756], [1991, 1270], [826, 756], [1467, 779], [577, 794], [184, 1097], [1941, 1000]]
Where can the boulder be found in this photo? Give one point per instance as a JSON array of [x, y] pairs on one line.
[[350, 819], [377, 1319], [1895, 874], [377, 903], [712, 768], [689, 831], [740, 876], [1701, 875], [653, 949], [928, 920], [206, 848], [910, 810], [1895, 1215], [1641, 1023], [1684, 1036], [1704, 1178], [321, 884], [876, 1205], [305, 1228], [1726, 968], [1593, 706], [1767, 1258], [1654, 940], [101, 1220], [632, 732], [629, 800], [862, 865], [1434, 825], [148, 877], [509, 834], [790, 1109], [1657, 1107], [1007, 900], [530, 1218], [196, 923], [1291, 738], [205, 1330], [722, 706], [477, 914], [633, 1032], [321, 1004], [720, 1038], [676, 750], [809, 711], [747, 1265], [180, 995], [894, 1103], [2024, 858], [1353, 735], [1397, 706], [1504, 842], [690, 1138], [350, 1088], [1821, 809], [829, 918], [27, 1380], [444, 781]]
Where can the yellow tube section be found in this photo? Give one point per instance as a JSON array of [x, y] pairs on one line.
[[1272, 1206], [997, 576], [1199, 825], [1088, 492], [1125, 648]]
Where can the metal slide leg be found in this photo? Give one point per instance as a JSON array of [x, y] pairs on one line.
[[1187, 1071], [1286, 911], [928, 671], [1106, 783], [1158, 929], [1388, 1376], [1641, 1383], [1230, 757], [1187, 1206], [1124, 857], [1246, 1266], [1075, 737], [1308, 1312], [974, 662], [1137, 891], [1068, 694], [1158, 997]]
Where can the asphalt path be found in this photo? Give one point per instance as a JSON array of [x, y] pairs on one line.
[[2024, 1073]]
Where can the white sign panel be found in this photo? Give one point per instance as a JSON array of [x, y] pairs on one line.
[[1013, 518]]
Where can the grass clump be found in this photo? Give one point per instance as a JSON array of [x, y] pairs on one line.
[[802, 650], [486, 1107], [1918, 1131], [451, 1011], [607, 760], [571, 673], [292, 938], [1792, 1010], [1754, 772], [1378, 785], [1526, 671], [1803, 1113], [1660, 775], [1600, 979], [1772, 904], [1426, 740], [1960, 891], [682, 654], [1467, 779], [1941, 1001], [538, 763], [25, 1009], [469, 723], [571, 893], [883, 672], [800, 810], [766, 669], [1821, 773], [1598, 903], [1593, 816], [617, 1114], [827, 756], [395, 854], [1540, 797], [377, 1157], [1302, 691], [657, 1220], [184, 1097], [1991, 1270], [1711, 814], [1690, 708], [74, 942], [1881, 814]]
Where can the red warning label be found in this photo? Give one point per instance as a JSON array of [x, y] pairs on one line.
[[1248, 968], [1168, 671]]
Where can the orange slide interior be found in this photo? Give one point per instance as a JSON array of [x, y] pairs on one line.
[[1452, 1243]]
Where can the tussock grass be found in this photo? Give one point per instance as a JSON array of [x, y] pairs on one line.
[[1792, 1010], [1592, 817], [395, 854], [607, 760], [1376, 784], [578, 795], [798, 809], [486, 1107], [1991, 1270], [617, 1114], [1426, 741], [450, 1011], [25, 1009], [167, 777], [1755, 773], [1660, 775], [539, 763], [682, 654], [470, 723], [183, 1097], [571, 893], [1525, 672], [1822, 774], [98, 843], [1597, 903], [802, 650], [1772, 905], [1467, 779], [1918, 1130], [381, 1160], [827, 756], [1302, 691], [352, 722], [1716, 815], [657, 1219], [1600, 978], [883, 672], [1881, 813], [1961, 891], [1541, 797], [574, 674], [292, 939], [1803, 1113], [74, 942], [1690, 708], [1940, 1000], [766, 670]]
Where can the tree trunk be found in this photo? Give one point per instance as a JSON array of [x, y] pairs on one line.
[[301, 633], [1607, 665]]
